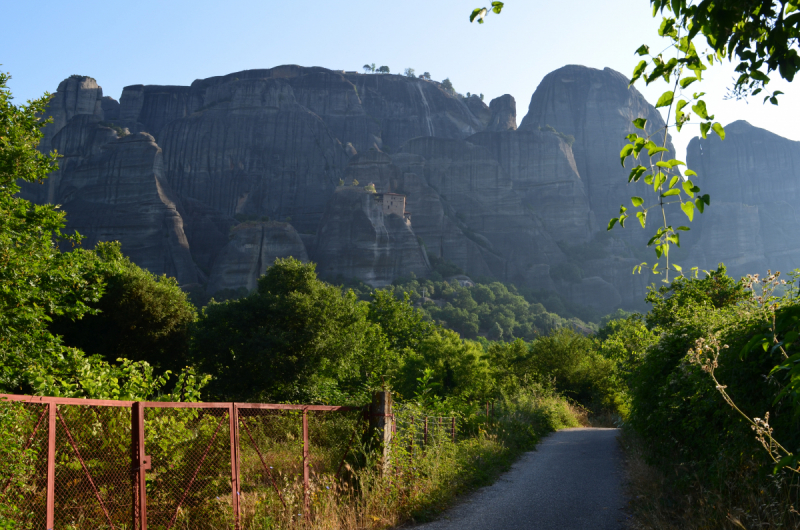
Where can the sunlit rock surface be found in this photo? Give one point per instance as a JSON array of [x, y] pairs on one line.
[[753, 179], [215, 180]]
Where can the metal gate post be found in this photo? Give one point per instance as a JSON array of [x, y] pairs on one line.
[[142, 462], [51, 464], [233, 415], [305, 464]]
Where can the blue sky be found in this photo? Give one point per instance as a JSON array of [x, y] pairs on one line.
[[177, 41]]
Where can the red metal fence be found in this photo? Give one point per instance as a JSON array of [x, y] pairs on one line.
[[82, 463]]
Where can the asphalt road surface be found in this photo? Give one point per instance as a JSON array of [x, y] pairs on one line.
[[571, 482]]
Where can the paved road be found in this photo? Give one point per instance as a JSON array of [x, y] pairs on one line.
[[571, 482]]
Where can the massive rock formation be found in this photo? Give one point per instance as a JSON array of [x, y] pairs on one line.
[[211, 182], [252, 248], [752, 178], [356, 239], [596, 108], [504, 114]]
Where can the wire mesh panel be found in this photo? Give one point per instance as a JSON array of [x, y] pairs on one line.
[[335, 447], [270, 466], [189, 483], [417, 431], [23, 465], [93, 468]]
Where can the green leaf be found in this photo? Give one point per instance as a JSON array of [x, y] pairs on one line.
[[642, 216], [672, 192], [689, 173], [666, 99], [477, 12], [638, 71], [673, 181], [699, 203], [674, 163], [654, 150], [663, 164], [644, 49], [497, 7], [700, 109], [704, 127], [686, 81], [636, 173], [688, 209], [637, 201], [688, 187], [612, 222], [677, 268], [684, 228], [625, 153], [658, 180], [639, 123], [717, 128]]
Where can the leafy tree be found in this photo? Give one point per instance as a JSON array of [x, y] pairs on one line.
[[426, 76], [447, 85], [384, 70], [404, 326], [287, 340], [458, 368], [409, 72], [367, 68], [576, 367], [140, 316], [39, 283], [372, 67], [37, 280]]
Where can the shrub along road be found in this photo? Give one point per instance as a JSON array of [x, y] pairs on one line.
[[573, 481]]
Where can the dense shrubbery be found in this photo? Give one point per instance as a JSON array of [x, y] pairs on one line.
[[704, 447]]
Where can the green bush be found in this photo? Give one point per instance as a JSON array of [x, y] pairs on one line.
[[688, 428]]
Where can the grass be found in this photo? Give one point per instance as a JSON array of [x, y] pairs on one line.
[[420, 482], [749, 500]]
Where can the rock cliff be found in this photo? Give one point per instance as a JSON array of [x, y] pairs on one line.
[[252, 248], [596, 108], [211, 182], [752, 178], [356, 239]]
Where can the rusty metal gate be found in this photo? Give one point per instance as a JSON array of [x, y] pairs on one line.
[[101, 464]]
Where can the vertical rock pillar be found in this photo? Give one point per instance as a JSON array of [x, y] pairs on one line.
[[381, 420]]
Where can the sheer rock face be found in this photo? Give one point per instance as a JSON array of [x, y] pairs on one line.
[[478, 203], [511, 204], [76, 95], [752, 178], [110, 108], [543, 172], [120, 194], [207, 230], [596, 107], [481, 111], [253, 247], [253, 150], [356, 239], [503, 114]]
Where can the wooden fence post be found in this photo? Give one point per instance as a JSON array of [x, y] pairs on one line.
[[381, 420]]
